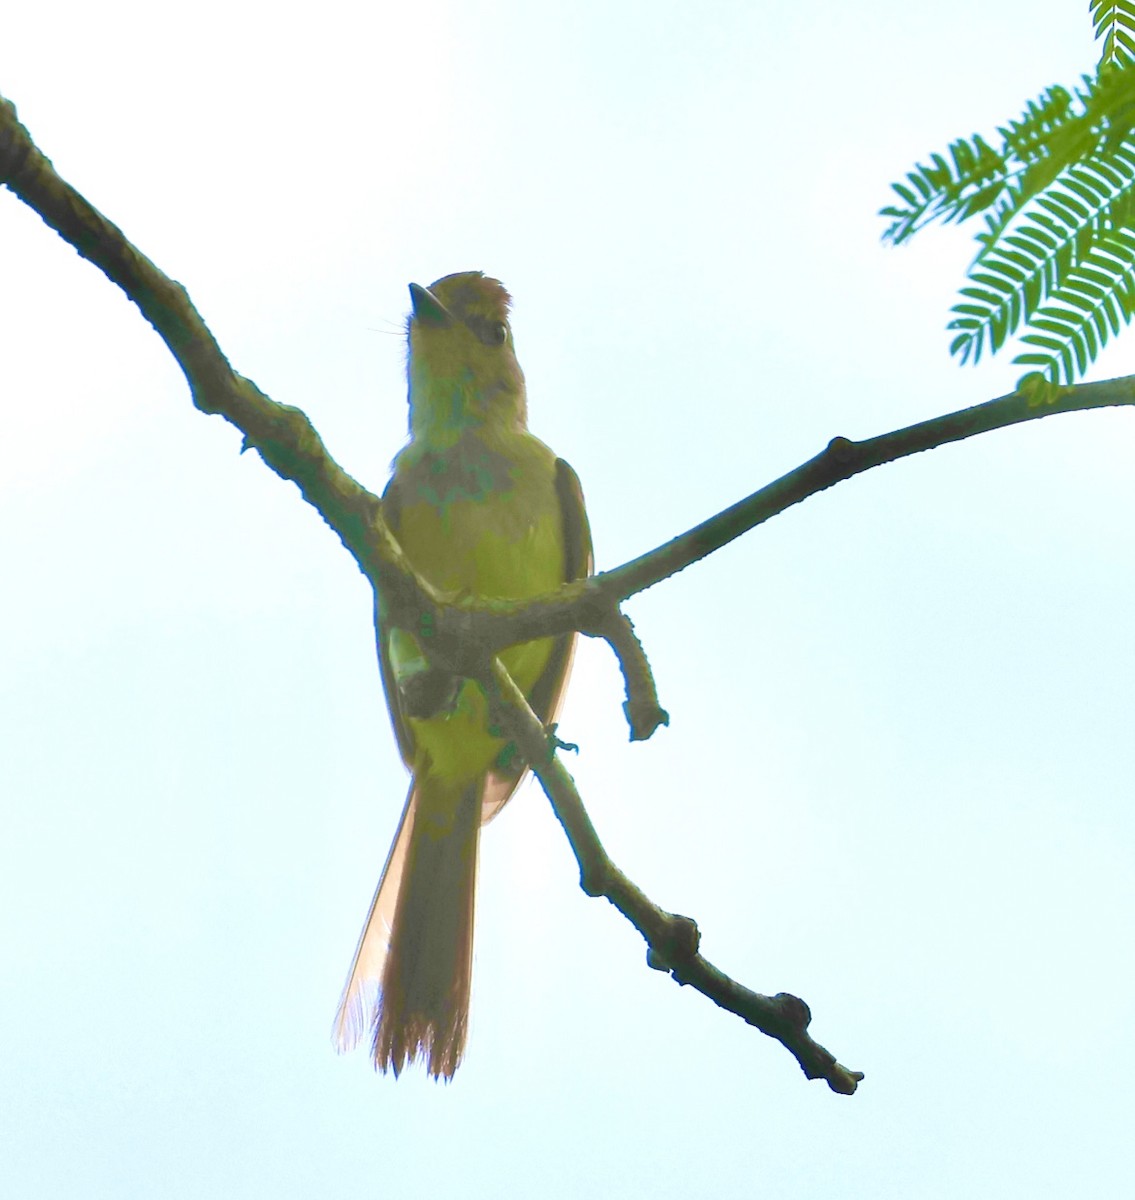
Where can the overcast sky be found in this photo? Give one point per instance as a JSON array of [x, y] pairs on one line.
[[897, 779]]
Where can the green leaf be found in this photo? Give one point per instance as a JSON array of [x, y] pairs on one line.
[[1055, 253]]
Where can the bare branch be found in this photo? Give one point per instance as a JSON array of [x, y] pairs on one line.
[[283, 436], [592, 605], [841, 460], [672, 940], [465, 632]]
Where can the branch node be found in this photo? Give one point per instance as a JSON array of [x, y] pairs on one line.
[[843, 450], [676, 945], [594, 879], [796, 1011]]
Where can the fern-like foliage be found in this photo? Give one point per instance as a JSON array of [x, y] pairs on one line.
[[1056, 192], [1114, 21]]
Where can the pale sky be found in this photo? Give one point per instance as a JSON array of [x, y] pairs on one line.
[[897, 779]]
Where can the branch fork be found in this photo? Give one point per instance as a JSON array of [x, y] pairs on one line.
[[466, 635]]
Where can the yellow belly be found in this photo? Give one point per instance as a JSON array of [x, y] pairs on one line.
[[501, 544]]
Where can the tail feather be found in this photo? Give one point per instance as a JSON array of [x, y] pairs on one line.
[[424, 1006], [361, 991], [411, 976]]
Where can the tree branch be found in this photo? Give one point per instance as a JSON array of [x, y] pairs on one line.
[[283, 436], [672, 940], [842, 459], [463, 632]]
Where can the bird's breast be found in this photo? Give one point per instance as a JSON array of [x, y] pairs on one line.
[[482, 518]]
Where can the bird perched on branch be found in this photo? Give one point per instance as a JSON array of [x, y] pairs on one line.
[[482, 508]]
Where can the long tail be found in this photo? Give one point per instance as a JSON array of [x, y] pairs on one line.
[[419, 935]]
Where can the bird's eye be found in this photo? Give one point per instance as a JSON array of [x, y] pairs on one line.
[[489, 333]]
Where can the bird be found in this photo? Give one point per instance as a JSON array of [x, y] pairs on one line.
[[481, 508]]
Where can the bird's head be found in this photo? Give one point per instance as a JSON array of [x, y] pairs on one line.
[[461, 363]]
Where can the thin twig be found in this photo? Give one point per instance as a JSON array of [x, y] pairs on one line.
[[672, 940], [842, 459]]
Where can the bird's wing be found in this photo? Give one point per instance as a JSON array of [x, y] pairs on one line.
[[547, 693]]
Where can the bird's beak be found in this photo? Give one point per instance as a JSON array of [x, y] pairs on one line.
[[427, 307]]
